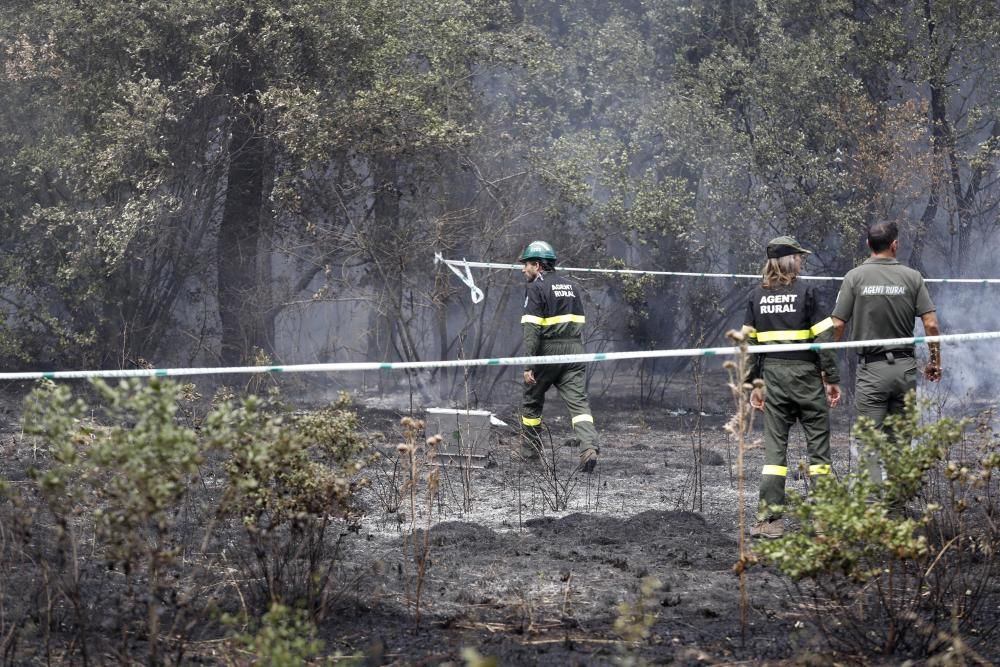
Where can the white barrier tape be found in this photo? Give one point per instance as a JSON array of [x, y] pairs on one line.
[[503, 361], [476, 293], [689, 274]]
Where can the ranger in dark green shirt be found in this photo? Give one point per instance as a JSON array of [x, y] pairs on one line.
[[883, 298], [552, 324]]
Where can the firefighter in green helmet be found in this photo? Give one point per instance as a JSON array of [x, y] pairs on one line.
[[552, 324]]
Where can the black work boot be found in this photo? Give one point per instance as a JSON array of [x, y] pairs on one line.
[[770, 529], [532, 448], [588, 460]]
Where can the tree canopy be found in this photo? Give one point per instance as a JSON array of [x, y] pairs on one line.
[[187, 182]]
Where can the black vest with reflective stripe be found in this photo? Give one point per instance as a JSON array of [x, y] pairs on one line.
[[784, 314], [552, 302]]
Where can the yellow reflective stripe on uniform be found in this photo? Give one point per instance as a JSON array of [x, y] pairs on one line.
[[780, 471], [562, 319], [770, 336], [583, 418], [821, 326], [820, 469], [749, 331], [531, 421], [549, 321]]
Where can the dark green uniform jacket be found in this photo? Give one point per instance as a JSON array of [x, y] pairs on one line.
[[553, 313], [882, 298], [790, 314]]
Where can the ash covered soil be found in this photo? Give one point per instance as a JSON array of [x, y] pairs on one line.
[[507, 574], [488, 562]]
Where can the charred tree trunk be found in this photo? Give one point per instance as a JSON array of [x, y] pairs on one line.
[[943, 140], [916, 259], [383, 275], [385, 218], [242, 259], [239, 244], [440, 301]]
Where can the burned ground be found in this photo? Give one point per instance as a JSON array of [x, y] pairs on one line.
[[528, 585], [500, 571]]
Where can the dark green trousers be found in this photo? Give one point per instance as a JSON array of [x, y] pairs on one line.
[[879, 392], [570, 381], [794, 394]]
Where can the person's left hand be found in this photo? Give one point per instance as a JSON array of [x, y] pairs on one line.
[[529, 377]]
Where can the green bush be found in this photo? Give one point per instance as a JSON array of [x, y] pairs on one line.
[[130, 480], [902, 567], [125, 465], [288, 477], [285, 638], [635, 620]]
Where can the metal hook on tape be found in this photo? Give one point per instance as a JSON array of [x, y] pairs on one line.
[[476, 293]]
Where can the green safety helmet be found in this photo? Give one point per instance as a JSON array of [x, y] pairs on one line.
[[539, 251]]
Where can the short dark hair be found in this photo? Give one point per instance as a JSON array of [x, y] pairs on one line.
[[881, 235], [543, 264]]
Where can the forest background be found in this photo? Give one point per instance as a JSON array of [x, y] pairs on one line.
[[268, 182], [191, 183]]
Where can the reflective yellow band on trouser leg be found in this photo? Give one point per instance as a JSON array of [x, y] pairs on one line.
[[820, 469], [583, 418], [779, 471], [531, 421]]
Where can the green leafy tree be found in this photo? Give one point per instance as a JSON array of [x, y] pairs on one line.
[[174, 151], [184, 179]]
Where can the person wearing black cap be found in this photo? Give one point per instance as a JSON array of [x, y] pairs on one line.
[[798, 386], [883, 298]]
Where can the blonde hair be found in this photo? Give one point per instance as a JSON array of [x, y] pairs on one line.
[[780, 271]]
